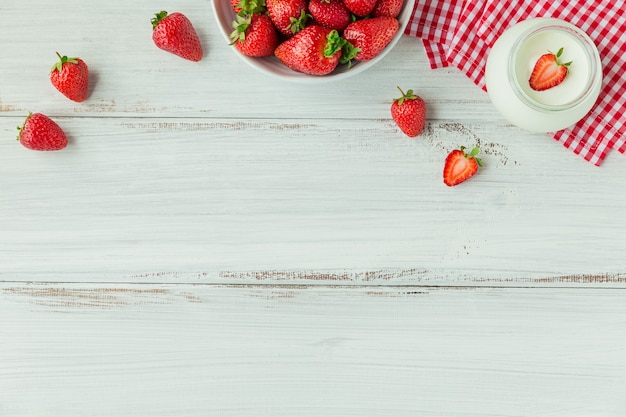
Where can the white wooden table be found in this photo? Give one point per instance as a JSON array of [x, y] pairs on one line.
[[216, 243]]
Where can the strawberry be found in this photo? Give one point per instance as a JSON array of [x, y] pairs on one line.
[[548, 71], [330, 13], [288, 16], [41, 133], [174, 33], [390, 8], [409, 113], [71, 77], [366, 38], [254, 35], [315, 50], [248, 6], [360, 8], [460, 166]]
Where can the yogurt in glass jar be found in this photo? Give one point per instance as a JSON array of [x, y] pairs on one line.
[[510, 64]]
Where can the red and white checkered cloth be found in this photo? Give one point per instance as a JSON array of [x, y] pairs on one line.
[[461, 32]]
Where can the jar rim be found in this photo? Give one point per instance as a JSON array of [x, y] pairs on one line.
[[580, 37]]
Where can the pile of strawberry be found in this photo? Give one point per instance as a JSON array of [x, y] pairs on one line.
[[314, 36]]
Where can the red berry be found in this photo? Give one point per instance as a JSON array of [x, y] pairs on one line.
[[360, 8], [174, 33], [390, 8], [460, 166], [254, 35], [369, 37], [71, 77], [330, 13], [288, 16], [409, 113], [548, 71], [41, 133], [315, 50], [248, 6]]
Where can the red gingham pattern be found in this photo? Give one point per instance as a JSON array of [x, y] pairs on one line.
[[461, 32], [436, 54]]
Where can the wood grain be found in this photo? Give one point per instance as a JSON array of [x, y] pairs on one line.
[[213, 242], [131, 76], [218, 200], [154, 350]]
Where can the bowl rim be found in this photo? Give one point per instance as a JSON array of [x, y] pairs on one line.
[[288, 74]]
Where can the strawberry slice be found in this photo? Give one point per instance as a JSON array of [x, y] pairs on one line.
[[460, 166], [548, 71]]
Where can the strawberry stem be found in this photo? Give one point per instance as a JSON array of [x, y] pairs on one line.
[[62, 60], [158, 17], [251, 6], [558, 55], [349, 53], [335, 43], [409, 95], [472, 154], [240, 25], [19, 129], [297, 24]]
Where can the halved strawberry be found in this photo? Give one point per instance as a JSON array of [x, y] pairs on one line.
[[548, 71], [460, 166]]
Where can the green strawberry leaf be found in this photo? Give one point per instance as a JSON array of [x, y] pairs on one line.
[[335, 43], [349, 53], [157, 18], [62, 60]]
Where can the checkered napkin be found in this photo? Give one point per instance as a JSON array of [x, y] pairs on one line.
[[460, 33]]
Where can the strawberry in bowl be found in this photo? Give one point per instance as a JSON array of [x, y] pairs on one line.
[[337, 20]]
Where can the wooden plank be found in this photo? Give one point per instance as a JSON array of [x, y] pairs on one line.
[[197, 350], [223, 201], [131, 76]]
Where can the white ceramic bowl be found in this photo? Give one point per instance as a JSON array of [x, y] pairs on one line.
[[271, 66]]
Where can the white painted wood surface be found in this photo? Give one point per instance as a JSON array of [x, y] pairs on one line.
[[194, 350], [213, 242]]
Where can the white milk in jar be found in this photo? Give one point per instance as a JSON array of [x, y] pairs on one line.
[[510, 64]]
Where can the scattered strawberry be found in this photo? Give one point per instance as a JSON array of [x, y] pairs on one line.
[[254, 35], [389, 8], [360, 8], [366, 38], [332, 14], [548, 71], [460, 166], [174, 33], [289, 16], [315, 50], [71, 77], [409, 113], [41, 133]]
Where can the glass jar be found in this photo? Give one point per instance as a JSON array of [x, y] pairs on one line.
[[510, 64]]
